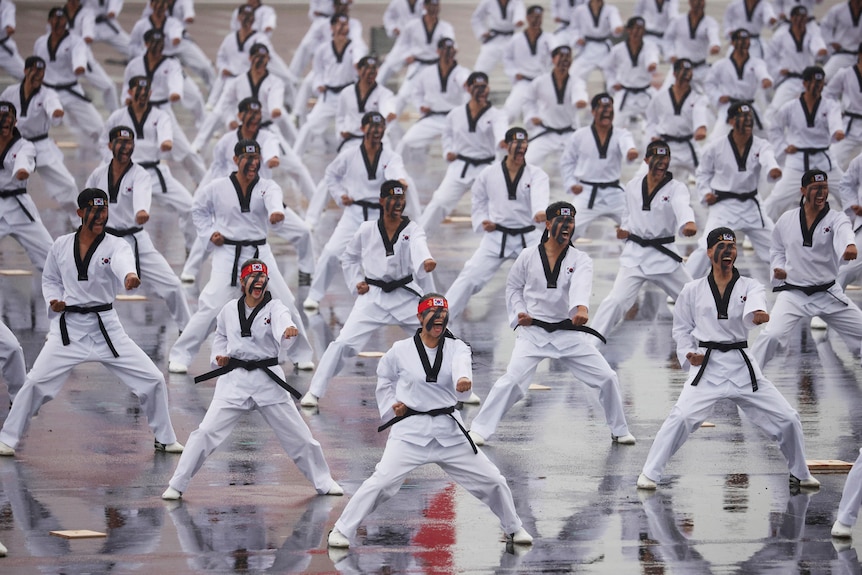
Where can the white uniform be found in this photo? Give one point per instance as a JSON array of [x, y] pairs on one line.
[[657, 16], [695, 44], [355, 174], [740, 85], [60, 65], [108, 29], [351, 107], [631, 71], [556, 107], [131, 194], [529, 60], [597, 168], [726, 375], [233, 58], [19, 217], [399, 13], [422, 439], [240, 391], [840, 26], [811, 133], [265, 19], [785, 53], [155, 128], [596, 30], [368, 258], [499, 20], [675, 123], [550, 296], [89, 282], [734, 175], [439, 94], [10, 58], [738, 17], [12, 366], [654, 216], [243, 221], [811, 259], [83, 24], [320, 32], [189, 53], [476, 141], [35, 118], [845, 88], [851, 496], [509, 204], [849, 189]]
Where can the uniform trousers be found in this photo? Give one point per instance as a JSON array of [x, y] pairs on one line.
[[786, 195], [365, 318], [844, 151], [698, 264], [193, 58], [112, 34], [405, 94], [81, 114], [12, 365], [635, 105], [851, 497], [329, 263], [218, 292], [850, 271], [590, 58], [841, 315], [766, 408], [284, 419], [98, 77], [838, 61], [305, 50], [32, 236], [788, 89], [610, 203], [482, 265], [182, 150], [549, 145], [625, 291], [158, 276], [51, 370], [422, 133], [10, 59], [59, 182], [394, 62], [448, 194], [514, 106], [176, 197], [584, 362], [475, 472], [491, 53], [319, 120]]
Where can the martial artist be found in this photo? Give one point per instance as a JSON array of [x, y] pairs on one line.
[[364, 96], [592, 162], [353, 179], [657, 207], [252, 334], [234, 213], [419, 382], [108, 29], [753, 16], [386, 264], [436, 91], [594, 24], [320, 33], [679, 116], [82, 276], [711, 321], [129, 192], [82, 23], [19, 217], [657, 15], [629, 70], [509, 199], [808, 245], [803, 129], [727, 181], [10, 59], [232, 58], [851, 499], [737, 79], [547, 298], [845, 89], [398, 13], [154, 136], [694, 36], [526, 57], [842, 32], [12, 366], [65, 57], [39, 109], [494, 22], [552, 106], [265, 17], [850, 189], [472, 136]]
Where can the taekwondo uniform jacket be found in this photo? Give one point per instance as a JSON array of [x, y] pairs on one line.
[[232, 55], [845, 88], [60, 65], [554, 106], [793, 125], [36, 117], [154, 129], [631, 71], [742, 84], [165, 79], [398, 13], [657, 18], [348, 118], [270, 92], [529, 60], [490, 16], [683, 42], [584, 160], [173, 29], [478, 139], [432, 90], [19, 154]]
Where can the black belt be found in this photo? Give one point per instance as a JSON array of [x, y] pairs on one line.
[[629, 90], [14, 194], [155, 167], [433, 413], [807, 290], [567, 325], [808, 152], [426, 61], [852, 116], [654, 33], [472, 162], [96, 309], [128, 232], [751, 196], [347, 139], [683, 140], [658, 244], [103, 19], [38, 138], [6, 48], [753, 109], [367, 205], [698, 64], [599, 185], [389, 287], [494, 33], [68, 88], [238, 252], [598, 40], [513, 232], [848, 52], [550, 130], [725, 347], [249, 365], [431, 113], [788, 76], [159, 102]]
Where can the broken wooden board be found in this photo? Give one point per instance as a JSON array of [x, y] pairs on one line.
[[370, 354], [16, 273], [78, 534], [457, 220], [707, 424], [131, 297], [538, 387], [828, 465]]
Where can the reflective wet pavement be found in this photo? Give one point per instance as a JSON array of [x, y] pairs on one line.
[[724, 507]]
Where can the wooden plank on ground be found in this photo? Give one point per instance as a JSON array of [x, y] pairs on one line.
[[828, 465], [78, 534]]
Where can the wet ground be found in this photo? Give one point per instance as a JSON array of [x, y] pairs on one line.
[[724, 506]]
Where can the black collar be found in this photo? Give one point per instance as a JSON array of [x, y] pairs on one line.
[[243, 197], [362, 100], [648, 196], [114, 187], [512, 185], [810, 115], [370, 165], [139, 125], [245, 322], [16, 135], [339, 56], [722, 301], [741, 157], [473, 122], [603, 148], [551, 275], [389, 243], [52, 52], [84, 264], [560, 91], [677, 106], [808, 232], [431, 372]]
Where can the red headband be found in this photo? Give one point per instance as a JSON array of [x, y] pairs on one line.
[[253, 268], [433, 302]]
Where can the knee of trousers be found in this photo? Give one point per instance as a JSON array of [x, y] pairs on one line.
[[679, 419]]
